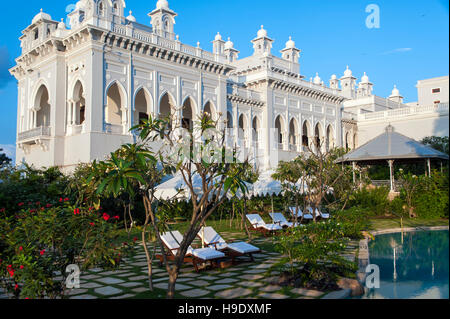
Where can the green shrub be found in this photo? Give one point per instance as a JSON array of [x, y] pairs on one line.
[[313, 254], [432, 199], [37, 245], [353, 221], [375, 200]]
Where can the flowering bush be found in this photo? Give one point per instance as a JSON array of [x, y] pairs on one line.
[[313, 254], [37, 244]]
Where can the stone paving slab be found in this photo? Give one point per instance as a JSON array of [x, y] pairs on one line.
[[273, 296], [108, 291], [271, 288], [83, 297], [130, 284], [178, 287], [198, 283], [307, 292], [218, 287], [252, 284], [110, 281], [226, 281], [251, 277], [194, 293], [234, 293]]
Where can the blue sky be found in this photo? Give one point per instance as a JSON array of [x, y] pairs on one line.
[[412, 42]]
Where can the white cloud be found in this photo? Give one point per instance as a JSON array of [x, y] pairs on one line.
[[9, 150], [399, 50]]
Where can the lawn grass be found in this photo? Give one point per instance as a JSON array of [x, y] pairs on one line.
[[387, 223]]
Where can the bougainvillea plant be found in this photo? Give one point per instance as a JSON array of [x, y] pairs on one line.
[[38, 244]]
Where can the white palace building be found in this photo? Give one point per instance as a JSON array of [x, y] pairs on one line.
[[81, 89]]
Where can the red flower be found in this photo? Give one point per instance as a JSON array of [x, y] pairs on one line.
[[2, 210], [76, 211], [38, 203], [20, 248], [116, 217], [17, 287], [21, 266], [106, 217], [66, 199], [21, 204], [125, 244], [60, 200], [42, 208], [135, 239], [42, 252], [48, 205], [92, 224]]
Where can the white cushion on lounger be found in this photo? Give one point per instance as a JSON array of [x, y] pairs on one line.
[[243, 248], [207, 253], [258, 222], [272, 227], [210, 236], [279, 218]]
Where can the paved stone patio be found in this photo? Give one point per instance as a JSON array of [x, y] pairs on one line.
[[244, 280]]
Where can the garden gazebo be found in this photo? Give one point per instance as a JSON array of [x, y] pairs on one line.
[[392, 147]]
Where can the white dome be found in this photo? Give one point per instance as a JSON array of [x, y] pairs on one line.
[[62, 25], [395, 91], [131, 17], [348, 72], [262, 33], [79, 5], [334, 77], [229, 44], [317, 79], [290, 44], [365, 78], [162, 4], [218, 37], [41, 15]]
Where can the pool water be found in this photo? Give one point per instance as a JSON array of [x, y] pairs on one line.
[[412, 265]]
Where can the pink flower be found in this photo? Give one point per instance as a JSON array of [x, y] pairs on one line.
[[20, 248], [42, 252]]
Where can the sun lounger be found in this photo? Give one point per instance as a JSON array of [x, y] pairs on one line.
[[319, 213], [172, 240], [232, 249], [300, 214], [259, 225], [279, 219]]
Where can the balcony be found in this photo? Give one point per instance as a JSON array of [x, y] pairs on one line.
[[113, 129], [32, 136]]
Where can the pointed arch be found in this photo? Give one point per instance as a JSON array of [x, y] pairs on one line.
[[115, 103], [318, 135], [293, 131], [256, 126], [280, 127], [143, 105], [77, 111], [229, 120], [166, 105], [210, 110], [306, 133], [188, 113], [330, 142], [243, 125], [42, 107]]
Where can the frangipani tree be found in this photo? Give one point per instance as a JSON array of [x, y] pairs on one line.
[[164, 146]]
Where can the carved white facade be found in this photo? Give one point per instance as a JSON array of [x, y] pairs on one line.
[[82, 88]]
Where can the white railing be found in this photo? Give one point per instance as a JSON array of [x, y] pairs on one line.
[[35, 133], [113, 128], [441, 108]]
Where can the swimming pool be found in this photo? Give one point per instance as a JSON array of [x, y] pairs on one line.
[[412, 265]]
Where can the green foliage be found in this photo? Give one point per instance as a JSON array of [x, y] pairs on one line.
[[37, 245], [374, 200], [27, 186], [432, 198], [312, 253], [4, 160], [352, 221], [438, 143]]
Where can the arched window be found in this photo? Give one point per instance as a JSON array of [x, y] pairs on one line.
[[78, 114], [279, 127], [318, 136], [101, 9], [188, 115], [293, 132], [355, 142], [142, 103], [113, 112], [242, 126], [208, 110], [330, 138], [305, 136], [347, 141], [229, 120], [115, 7], [43, 107], [256, 127]]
